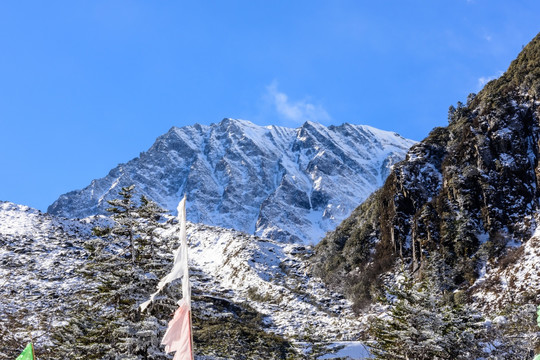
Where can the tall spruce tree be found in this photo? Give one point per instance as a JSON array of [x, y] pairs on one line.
[[108, 323], [125, 215], [150, 221]]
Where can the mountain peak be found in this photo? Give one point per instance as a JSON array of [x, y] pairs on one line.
[[271, 181], [235, 122]]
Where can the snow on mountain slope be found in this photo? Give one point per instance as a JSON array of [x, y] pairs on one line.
[[513, 279], [40, 254], [271, 277], [275, 182]]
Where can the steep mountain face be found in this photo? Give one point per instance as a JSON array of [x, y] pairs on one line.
[[467, 192], [257, 289], [276, 182]]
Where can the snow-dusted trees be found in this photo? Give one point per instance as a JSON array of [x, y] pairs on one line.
[[423, 323], [149, 221], [132, 222], [425, 319], [121, 265], [513, 334], [125, 216]]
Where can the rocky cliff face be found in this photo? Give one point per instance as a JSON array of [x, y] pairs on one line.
[[466, 192], [276, 182]]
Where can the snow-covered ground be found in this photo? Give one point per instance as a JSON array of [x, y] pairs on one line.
[[514, 279], [273, 278], [39, 256], [349, 350], [40, 253]]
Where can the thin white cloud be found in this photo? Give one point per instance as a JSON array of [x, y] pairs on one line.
[[297, 111], [482, 81]]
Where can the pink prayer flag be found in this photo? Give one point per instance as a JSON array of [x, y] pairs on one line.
[[178, 336]]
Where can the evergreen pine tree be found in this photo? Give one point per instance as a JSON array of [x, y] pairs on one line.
[[451, 112], [422, 324], [514, 335], [124, 214], [150, 216], [108, 324]]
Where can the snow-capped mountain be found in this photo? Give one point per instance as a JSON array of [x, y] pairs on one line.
[[275, 182], [41, 256]]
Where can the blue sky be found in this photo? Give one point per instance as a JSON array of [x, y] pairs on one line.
[[85, 85]]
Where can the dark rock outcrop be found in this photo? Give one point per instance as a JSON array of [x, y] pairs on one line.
[[464, 192]]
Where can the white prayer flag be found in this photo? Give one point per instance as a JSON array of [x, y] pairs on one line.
[[180, 267]]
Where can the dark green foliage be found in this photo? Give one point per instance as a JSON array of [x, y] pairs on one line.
[[451, 112], [108, 323], [124, 214], [470, 98], [15, 332], [517, 336], [149, 222], [135, 223], [349, 245]]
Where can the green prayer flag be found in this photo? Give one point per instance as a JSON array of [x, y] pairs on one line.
[[537, 357], [27, 354]]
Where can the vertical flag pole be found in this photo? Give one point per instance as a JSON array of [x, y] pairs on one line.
[[191, 331]]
